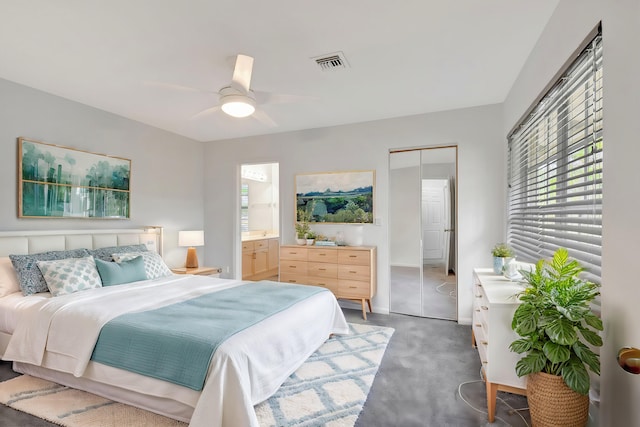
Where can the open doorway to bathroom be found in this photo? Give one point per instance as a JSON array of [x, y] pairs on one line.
[[422, 236], [260, 220]]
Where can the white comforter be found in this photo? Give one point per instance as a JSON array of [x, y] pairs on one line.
[[245, 370]]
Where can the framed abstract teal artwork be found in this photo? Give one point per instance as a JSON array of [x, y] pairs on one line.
[[62, 182]]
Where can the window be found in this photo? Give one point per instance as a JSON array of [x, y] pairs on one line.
[[555, 169], [244, 207]]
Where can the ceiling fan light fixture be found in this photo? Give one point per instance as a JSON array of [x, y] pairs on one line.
[[238, 105]]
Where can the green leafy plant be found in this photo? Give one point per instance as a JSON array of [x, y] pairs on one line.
[[302, 229], [555, 323], [502, 250]]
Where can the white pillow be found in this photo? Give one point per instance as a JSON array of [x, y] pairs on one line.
[[66, 276], [8, 277], [154, 265]]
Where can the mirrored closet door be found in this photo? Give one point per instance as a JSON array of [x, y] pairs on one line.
[[422, 238]]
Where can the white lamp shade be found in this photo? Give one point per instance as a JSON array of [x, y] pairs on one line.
[[191, 238]]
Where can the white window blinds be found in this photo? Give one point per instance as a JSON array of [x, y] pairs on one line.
[[555, 169]]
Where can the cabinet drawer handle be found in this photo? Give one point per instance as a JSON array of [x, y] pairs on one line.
[[484, 307], [293, 253], [353, 256], [292, 281], [353, 287], [478, 324], [352, 272], [478, 310], [322, 269], [292, 266], [322, 254], [484, 342], [478, 296]]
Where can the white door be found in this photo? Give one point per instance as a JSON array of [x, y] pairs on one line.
[[446, 190], [434, 221]]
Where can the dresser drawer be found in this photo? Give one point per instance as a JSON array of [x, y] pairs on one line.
[[354, 289], [325, 282], [323, 255], [354, 257], [247, 246], [293, 253], [288, 266], [299, 279], [261, 244], [354, 272], [322, 269]]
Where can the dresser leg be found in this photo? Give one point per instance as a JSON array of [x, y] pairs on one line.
[[473, 339], [364, 310], [369, 304], [492, 393]]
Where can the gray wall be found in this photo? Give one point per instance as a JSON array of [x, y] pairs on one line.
[[569, 25], [166, 169], [365, 146]]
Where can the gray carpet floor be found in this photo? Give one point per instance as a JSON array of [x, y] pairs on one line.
[[429, 376]]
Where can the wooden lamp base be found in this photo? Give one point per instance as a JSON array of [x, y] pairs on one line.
[[192, 258]]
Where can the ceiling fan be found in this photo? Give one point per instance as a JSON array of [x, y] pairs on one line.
[[237, 99]]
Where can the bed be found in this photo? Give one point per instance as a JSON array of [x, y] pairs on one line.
[[53, 335]]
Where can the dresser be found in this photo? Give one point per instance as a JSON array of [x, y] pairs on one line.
[[347, 271], [493, 307]]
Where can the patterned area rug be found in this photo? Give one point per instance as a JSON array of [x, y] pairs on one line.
[[329, 389]]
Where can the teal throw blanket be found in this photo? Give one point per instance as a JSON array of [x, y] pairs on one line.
[[176, 343]]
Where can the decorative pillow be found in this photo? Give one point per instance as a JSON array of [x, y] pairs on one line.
[[29, 275], [114, 273], [105, 253], [67, 276], [154, 265], [8, 278]]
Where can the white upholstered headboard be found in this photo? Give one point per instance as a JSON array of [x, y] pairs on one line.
[[32, 242]]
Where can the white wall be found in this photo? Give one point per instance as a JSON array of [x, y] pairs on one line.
[[166, 169], [570, 24], [366, 146]]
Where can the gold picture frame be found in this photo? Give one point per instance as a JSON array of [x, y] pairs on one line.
[[62, 182]]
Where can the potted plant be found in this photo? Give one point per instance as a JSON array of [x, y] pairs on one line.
[[500, 253], [302, 229], [311, 237], [556, 325]]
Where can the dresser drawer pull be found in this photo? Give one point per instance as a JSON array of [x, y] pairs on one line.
[[353, 256], [353, 287], [479, 296], [322, 269], [484, 342], [292, 266], [484, 307], [292, 281], [352, 272], [322, 254], [478, 324], [478, 310], [293, 253]]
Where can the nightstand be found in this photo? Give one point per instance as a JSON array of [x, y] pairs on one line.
[[201, 271]]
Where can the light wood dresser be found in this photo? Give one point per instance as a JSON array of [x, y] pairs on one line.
[[347, 271], [493, 306]]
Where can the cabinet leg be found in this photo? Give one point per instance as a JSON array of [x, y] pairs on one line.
[[473, 339], [364, 310], [369, 304], [492, 393]]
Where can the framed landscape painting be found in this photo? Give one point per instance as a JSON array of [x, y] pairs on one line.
[[335, 197], [62, 182]]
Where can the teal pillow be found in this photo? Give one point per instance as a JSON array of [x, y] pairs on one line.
[[113, 273]]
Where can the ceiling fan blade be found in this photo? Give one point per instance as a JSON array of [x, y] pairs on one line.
[[209, 110], [280, 98], [175, 87], [242, 72], [264, 118]]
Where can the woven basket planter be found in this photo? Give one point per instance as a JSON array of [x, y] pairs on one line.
[[553, 404]]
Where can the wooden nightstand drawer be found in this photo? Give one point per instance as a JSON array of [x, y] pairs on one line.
[[354, 272], [322, 269], [293, 253], [354, 257], [288, 266], [323, 255]]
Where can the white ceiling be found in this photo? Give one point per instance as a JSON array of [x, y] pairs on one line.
[[405, 57]]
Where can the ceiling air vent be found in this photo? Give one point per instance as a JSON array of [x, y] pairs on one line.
[[331, 61]]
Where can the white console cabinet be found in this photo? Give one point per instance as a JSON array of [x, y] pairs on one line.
[[493, 307]]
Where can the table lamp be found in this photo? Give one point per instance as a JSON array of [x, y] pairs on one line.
[[191, 239]]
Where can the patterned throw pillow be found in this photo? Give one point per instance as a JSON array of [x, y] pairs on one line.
[[29, 275], [67, 276], [154, 265], [105, 253]]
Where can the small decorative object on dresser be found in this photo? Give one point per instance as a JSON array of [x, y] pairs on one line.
[[557, 326], [500, 253]]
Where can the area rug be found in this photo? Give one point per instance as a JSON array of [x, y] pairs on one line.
[[329, 389]]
